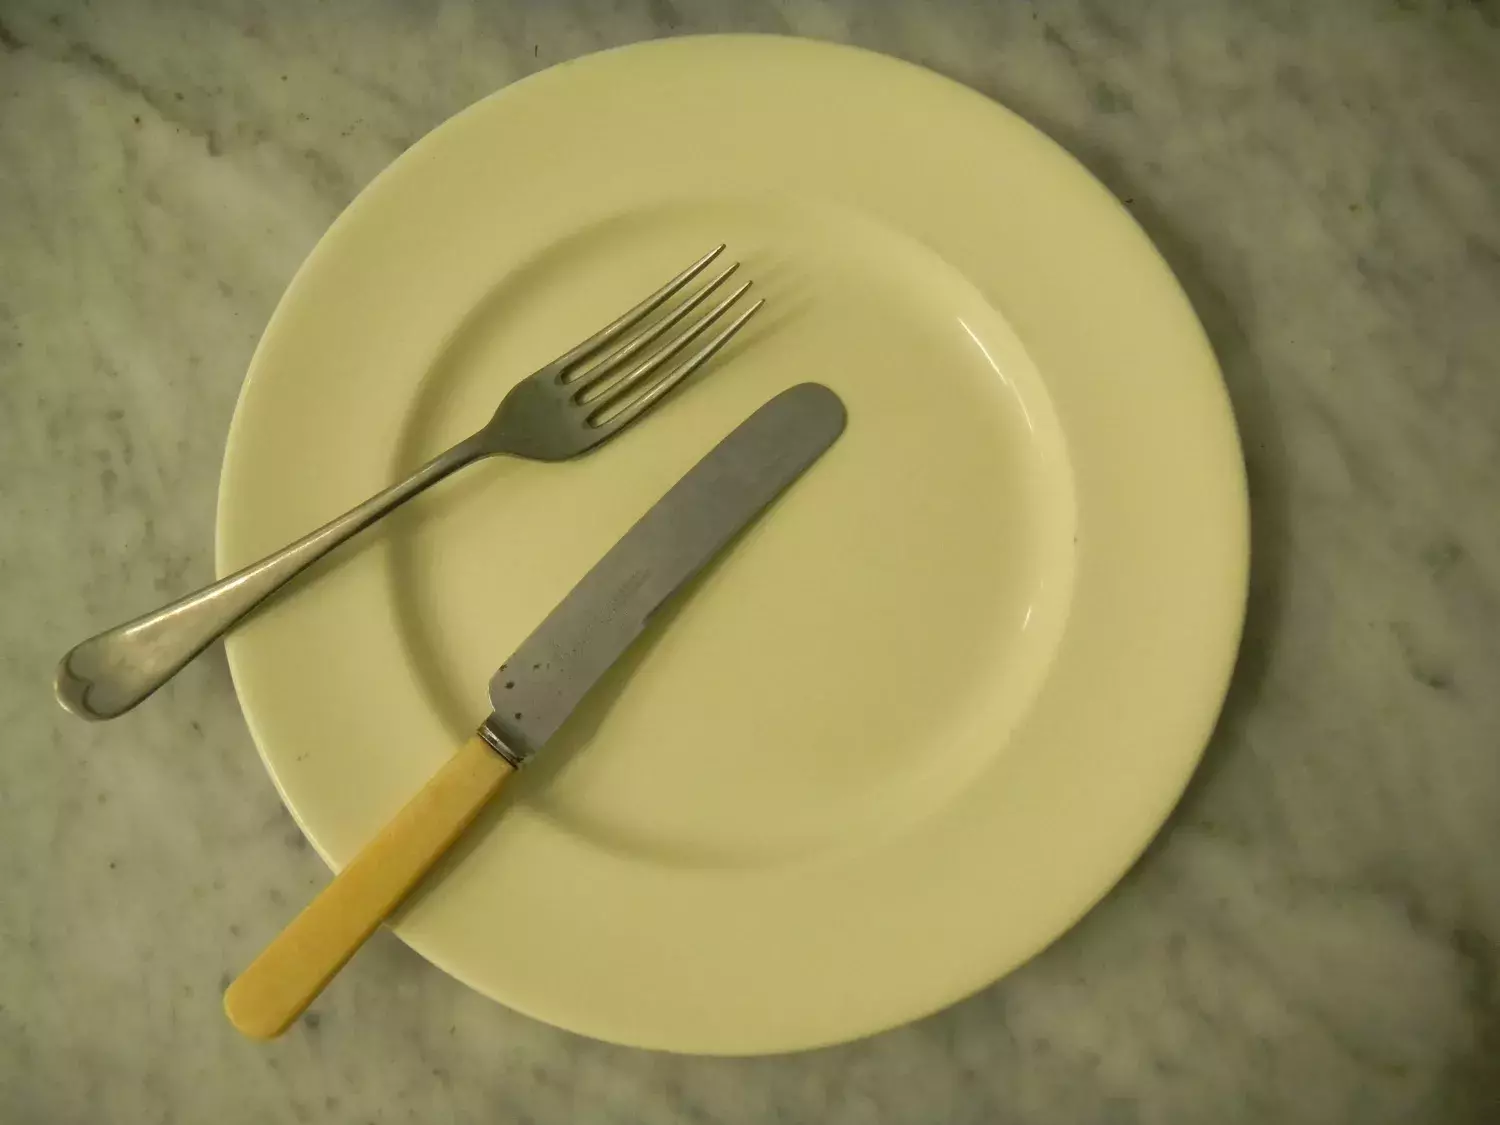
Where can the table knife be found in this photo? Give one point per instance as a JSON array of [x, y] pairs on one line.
[[536, 689]]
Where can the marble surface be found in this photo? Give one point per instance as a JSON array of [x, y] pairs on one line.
[[1313, 939]]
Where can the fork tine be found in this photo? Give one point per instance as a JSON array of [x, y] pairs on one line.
[[643, 370], [612, 331], [653, 395], [591, 379]]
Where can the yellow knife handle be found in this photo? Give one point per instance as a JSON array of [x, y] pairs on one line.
[[298, 964]]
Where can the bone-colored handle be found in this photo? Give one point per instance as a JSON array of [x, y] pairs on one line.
[[297, 965]]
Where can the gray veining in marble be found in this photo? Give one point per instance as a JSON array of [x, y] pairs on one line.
[[1313, 939]]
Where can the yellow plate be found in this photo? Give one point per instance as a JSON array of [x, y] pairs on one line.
[[924, 715]]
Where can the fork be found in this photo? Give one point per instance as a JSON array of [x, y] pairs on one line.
[[563, 409]]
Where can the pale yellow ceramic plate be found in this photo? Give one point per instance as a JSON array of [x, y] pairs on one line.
[[932, 706]]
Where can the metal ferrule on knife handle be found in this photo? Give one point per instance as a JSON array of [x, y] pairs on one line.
[[489, 731]]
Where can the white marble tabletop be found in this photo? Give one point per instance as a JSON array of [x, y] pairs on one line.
[[1313, 938]]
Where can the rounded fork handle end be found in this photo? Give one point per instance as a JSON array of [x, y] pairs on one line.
[[72, 690], [108, 674]]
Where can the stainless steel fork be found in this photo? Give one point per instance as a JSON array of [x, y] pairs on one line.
[[571, 405]]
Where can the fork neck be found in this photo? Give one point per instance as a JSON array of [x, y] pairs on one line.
[[466, 452]]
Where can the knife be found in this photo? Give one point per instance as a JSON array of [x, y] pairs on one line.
[[536, 689]]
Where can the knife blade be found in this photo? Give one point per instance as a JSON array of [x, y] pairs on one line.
[[535, 691]]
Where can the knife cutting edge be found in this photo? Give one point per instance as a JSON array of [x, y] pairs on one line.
[[536, 689]]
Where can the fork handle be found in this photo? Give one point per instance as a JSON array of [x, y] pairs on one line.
[[110, 673]]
